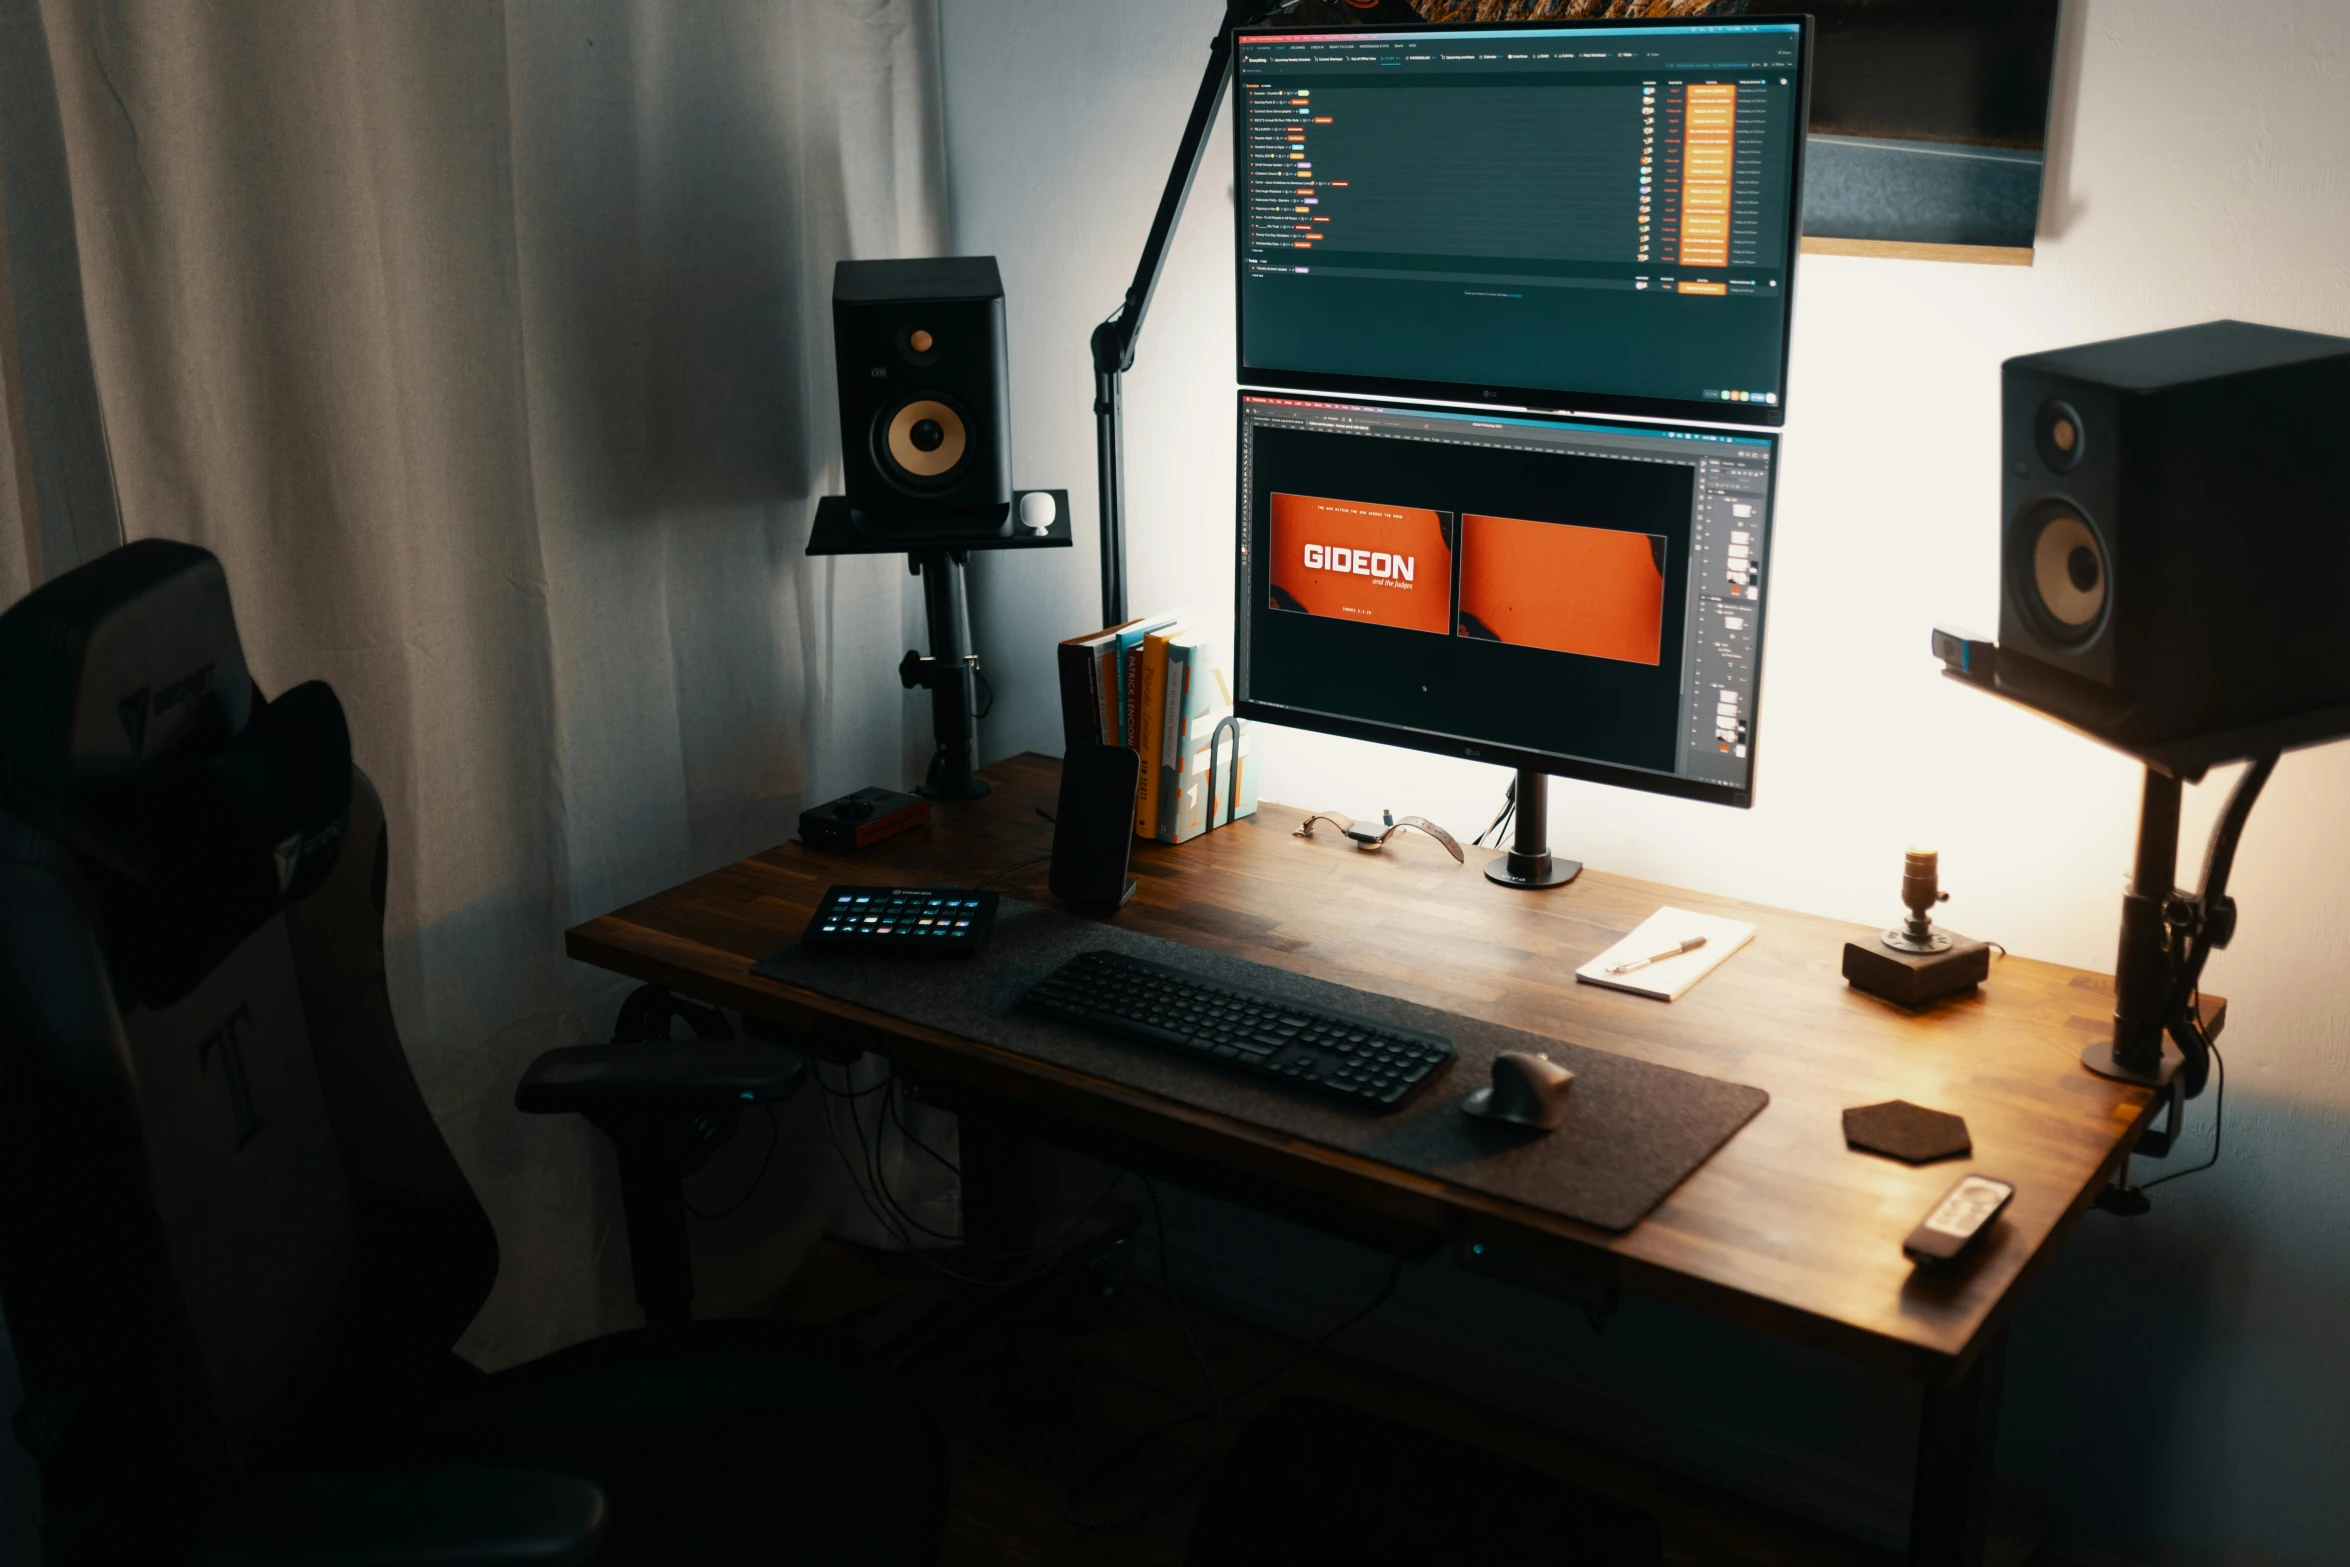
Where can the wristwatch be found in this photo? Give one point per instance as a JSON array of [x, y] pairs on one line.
[[1375, 838]]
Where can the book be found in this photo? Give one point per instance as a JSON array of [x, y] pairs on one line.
[[1107, 715], [1080, 664], [1670, 978], [1130, 694], [1150, 682], [1186, 659]]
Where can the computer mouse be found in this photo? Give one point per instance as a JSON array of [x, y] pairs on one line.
[[1527, 1090]]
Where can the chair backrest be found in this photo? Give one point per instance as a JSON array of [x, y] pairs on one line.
[[224, 1209]]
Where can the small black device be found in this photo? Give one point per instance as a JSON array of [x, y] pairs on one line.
[[1093, 829], [1374, 1065], [865, 817], [1914, 963], [915, 922], [1958, 1222], [2172, 538], [925, 392]]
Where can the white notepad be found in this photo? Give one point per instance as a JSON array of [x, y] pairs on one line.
[[1668, 927]]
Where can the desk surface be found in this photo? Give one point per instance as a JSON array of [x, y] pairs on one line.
[[1785, 1229]]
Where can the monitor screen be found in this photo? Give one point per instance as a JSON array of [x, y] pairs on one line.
[[1598, 216], [1572, 595]]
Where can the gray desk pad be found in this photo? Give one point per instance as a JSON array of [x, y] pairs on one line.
[[1634, 1129]]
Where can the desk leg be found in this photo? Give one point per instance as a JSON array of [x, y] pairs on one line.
[[999, 1198], [1950, 1513]]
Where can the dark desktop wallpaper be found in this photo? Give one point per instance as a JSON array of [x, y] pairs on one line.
[[1929, 118]]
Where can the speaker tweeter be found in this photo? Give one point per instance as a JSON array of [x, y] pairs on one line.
[[2060, 435]]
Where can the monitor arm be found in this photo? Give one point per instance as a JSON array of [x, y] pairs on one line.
[[1113, 340]]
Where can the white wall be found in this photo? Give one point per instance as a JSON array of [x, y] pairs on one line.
[[2180, 1381]]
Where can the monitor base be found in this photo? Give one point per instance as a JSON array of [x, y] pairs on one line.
[[1548, 872], [1529, 863]]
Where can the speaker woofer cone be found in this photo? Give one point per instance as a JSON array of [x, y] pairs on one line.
[[922, 441], [2065, 577]]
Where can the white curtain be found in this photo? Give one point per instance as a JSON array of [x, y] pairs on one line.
[[489, 347]]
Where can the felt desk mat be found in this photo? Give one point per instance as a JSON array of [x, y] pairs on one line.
[[1634, 1130]]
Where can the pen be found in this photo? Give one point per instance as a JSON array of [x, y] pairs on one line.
[[1691, 945]]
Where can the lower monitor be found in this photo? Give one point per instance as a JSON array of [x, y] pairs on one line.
[[1568, 595]]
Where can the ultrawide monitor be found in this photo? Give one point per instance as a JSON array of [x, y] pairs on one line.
[[1576, 596], [1592, 216]]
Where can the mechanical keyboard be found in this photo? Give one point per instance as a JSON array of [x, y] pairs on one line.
[[1373, 1065]]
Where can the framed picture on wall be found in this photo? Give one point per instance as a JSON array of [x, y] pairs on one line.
[[1929, 118]]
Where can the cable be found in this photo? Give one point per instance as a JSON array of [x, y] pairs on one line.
[[774, 1136], [1213, 1408], [2219, 1103], [1007, 870], [893, 1104], [870, 1155], [885, 1209], [1394, 1277], [1215, 1404], [1501, 818]]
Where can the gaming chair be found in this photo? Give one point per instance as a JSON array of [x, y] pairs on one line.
[[235, 1251]]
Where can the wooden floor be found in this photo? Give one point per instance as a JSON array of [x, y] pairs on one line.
[[1031, 1400]]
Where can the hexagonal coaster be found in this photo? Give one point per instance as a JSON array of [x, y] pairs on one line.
[[1901, 1130]]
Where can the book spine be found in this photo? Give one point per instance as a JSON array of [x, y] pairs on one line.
[[1105, 690], [1174, 729], [1080, 703], [1151, 682], [1130, 692]]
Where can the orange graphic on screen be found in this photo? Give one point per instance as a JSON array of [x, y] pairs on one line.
[[1595, 591], [1357, 560]]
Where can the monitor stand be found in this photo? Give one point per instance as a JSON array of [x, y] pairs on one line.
[[1529, 862]]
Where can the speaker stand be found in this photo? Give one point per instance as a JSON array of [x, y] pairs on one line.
[[1529, 862], [951, 673]]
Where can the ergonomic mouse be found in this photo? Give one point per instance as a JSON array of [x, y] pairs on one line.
[[1527, 1090]]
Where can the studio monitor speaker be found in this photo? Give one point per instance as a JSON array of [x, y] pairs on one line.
[[2177, 530], [924, 390]]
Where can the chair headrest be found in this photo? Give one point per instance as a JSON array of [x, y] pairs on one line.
[[117, 664]]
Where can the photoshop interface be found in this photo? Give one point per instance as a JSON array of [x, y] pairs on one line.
[[1586, 210], [1582, 590]]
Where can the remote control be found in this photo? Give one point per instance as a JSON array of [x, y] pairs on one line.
[[918, 922], [1957, 1221]]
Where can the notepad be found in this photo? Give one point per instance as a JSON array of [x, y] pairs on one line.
[[1669, 979]]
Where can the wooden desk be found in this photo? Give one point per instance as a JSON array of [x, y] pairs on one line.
[[1785, 1229]]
